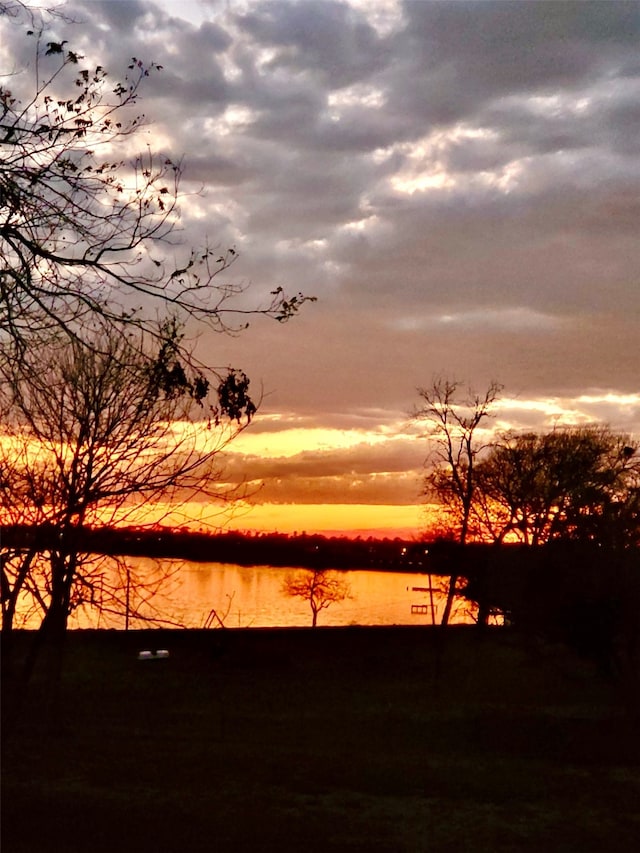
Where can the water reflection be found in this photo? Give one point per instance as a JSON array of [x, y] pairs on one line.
[[253, 597]]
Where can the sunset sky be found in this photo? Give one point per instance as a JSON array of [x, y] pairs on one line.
[[458, 183]]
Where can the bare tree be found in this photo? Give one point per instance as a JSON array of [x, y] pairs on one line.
[[320, 587], [90, 437], [84, 233], [105, 408], [454, 419]]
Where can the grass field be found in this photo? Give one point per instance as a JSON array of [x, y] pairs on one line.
[[354, 739]]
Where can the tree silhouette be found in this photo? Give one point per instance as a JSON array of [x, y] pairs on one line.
[[320, 587], [85, 233], [93, 437], [103, 403], [453, 419], [575, 483]]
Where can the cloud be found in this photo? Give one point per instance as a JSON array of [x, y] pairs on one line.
[[390, 469], [468, 54], [498, 319], [458, 183], [385, 473], [330, 40]]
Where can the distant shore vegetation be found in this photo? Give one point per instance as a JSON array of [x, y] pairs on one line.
[[305, 550]]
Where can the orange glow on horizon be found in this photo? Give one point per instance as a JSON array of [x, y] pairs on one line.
[[329, 519], [344, 519]]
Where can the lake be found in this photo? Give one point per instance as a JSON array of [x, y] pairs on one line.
[[191, 595]]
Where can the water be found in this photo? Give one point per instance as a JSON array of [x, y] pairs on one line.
[[193, 595]]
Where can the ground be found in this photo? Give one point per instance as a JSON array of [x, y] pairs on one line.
[[354, 739]]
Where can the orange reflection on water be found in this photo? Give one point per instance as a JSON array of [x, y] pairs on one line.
[[253, 597]]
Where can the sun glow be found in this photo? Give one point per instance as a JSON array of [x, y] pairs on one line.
[[293, 440], [286, 474], [341, 519]]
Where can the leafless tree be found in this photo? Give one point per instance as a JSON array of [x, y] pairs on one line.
[[320, 587], [85, 233], [454, 418], [104, 407], [90, 437]]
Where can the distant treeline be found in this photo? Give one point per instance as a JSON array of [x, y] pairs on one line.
[[273, 549]]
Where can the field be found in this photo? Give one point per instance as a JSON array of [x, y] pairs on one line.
[[354, 739]]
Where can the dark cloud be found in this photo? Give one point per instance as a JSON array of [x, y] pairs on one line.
[[457, 182], [397, 490], [380, 474], [357, 461], [328, 39], [120, 16], [475, 52]]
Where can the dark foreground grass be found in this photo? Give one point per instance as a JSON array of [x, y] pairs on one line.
[[358, 739]]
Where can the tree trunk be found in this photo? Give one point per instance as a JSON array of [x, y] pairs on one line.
[[43, 668], [451, 594], [43, 663]]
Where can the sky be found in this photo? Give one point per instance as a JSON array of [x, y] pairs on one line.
[[456, 182]]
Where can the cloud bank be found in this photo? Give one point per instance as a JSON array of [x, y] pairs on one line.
[[458, 183]]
